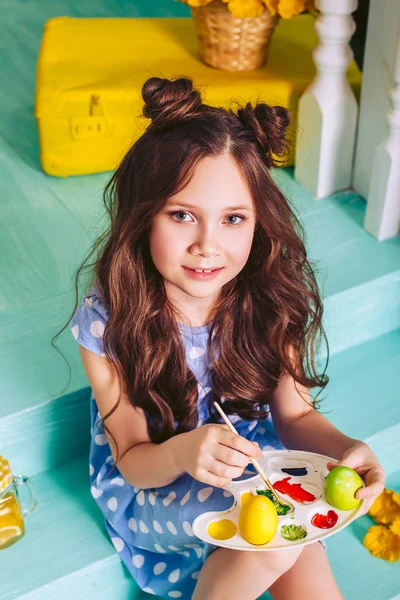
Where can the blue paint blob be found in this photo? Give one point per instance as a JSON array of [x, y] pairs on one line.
[[296, 471]]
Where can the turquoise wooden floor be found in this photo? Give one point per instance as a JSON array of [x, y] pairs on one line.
[[47, 225]]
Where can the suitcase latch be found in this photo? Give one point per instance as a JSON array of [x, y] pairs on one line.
[[93, 126]]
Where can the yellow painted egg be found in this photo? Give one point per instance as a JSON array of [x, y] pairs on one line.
[[244, 497], [258, 520], [222, 530]]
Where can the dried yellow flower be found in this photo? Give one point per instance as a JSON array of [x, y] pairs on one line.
[[386, 507], [288, 8], [382, 543], [244, 9], [272, 6], [395, 527], [196, 2]]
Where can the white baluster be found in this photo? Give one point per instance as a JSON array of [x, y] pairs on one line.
[[327, 115], [382, 217]]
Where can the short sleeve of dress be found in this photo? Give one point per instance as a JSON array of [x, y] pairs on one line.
[[89, 322]]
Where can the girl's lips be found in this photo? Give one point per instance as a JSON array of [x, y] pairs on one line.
[[202, 276]]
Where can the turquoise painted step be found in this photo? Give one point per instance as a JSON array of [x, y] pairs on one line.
[[66, 554], [69, 553], [360, 575], [363, 395]]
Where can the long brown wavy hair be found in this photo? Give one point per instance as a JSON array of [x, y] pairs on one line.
[[268, 319]]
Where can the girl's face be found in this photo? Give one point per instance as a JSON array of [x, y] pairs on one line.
[[208, 225]]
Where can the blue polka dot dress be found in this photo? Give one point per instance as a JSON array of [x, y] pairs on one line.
[[152, 529]]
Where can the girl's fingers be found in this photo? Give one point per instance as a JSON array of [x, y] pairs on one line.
[[365, 509], [221, 469], [331, 465], [231, 456], [210, 478], [241, 444], [372, 491], [374, 483]]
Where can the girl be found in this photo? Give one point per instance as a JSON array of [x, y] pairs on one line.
[[201, 290]]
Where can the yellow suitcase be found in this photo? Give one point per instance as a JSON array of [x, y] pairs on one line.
[[90, 72]]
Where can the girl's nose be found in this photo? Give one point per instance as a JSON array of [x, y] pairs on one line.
[[206, 244]]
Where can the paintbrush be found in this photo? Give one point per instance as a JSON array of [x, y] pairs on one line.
[[252, 460]]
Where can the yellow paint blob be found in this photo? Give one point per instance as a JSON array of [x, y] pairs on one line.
[[222, 530]]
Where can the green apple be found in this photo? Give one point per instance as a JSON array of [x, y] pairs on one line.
[[340, 487]]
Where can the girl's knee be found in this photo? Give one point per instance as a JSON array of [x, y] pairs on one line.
[[280, 561]]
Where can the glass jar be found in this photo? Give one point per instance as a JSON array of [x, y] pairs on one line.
[[12, 511]]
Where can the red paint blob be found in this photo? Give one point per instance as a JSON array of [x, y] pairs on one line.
[[325, 521], [295, 491]]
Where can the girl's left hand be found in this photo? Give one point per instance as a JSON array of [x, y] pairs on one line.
[[361, 458]]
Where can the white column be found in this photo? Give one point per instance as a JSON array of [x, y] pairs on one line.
[[382, 217], [327, 115]]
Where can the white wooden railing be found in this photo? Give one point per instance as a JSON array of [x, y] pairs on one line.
[[382, 217], [328, 120], [327, 117]]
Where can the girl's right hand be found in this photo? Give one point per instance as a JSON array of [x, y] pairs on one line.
[[213, 454]]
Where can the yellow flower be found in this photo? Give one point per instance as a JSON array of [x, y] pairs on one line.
[[386, 507], [382, 543], [272, 6], [196, 2], [244, 9], [395, 527], [288, 8]]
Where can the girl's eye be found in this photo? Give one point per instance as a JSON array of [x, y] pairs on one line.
[[241, 217], [179, 215]]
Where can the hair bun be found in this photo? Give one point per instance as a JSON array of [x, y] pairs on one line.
[[169, 100], [269, 125]]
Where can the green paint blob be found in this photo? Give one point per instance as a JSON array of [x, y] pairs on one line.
[[293, 532], [281, 510]]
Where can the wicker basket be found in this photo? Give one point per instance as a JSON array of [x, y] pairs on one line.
[[229, 43]]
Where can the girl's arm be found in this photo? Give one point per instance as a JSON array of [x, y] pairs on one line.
[[150, 465], [141, 462], [299, 426]]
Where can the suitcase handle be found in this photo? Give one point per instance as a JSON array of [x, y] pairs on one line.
[[93, 126]]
